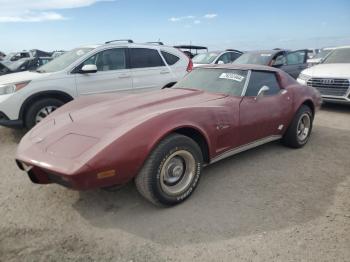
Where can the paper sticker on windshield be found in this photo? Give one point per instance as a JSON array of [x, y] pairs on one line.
[[232, 76], [265, 54]]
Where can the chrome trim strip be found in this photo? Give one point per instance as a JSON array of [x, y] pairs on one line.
[[246, 83], [246, 147]]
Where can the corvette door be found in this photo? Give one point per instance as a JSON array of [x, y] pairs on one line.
[[295, 62], [112, 74], [263, 116]]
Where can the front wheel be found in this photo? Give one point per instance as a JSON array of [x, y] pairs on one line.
[[298, 133], [171, 172]]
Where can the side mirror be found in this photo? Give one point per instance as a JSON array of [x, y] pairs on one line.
[[221, 62], [263, 90], [86, 69]]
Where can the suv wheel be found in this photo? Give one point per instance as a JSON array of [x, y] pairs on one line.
[[41, 109]]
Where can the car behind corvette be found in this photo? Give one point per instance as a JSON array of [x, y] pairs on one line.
[[163, 139]]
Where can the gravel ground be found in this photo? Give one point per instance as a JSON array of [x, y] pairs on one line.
[[268, 204]]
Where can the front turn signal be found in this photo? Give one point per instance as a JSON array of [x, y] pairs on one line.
[[106, 174]]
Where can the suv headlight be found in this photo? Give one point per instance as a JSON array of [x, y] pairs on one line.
[[11, 88], [302, 79]]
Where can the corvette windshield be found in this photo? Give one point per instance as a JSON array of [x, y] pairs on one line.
[[223, 81], [206, 58], [64, 60], [254, 58], [341, 55]]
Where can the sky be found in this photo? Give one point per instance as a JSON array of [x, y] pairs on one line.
[[220, 24]]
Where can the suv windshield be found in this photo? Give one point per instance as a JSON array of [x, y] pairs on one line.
[[206, 58], [341, 55], [223, 81], [322, 54], [64, 60], [254, 58]]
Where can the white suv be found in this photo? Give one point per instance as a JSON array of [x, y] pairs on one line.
[[27, 97], [331, 77]]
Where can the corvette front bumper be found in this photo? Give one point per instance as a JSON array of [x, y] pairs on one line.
[[84, 180]]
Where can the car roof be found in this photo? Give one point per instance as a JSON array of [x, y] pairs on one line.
[[242, 67], [125, 44], [265, 51], [341, 47], [194, 47], [328, 48], [218, 52]]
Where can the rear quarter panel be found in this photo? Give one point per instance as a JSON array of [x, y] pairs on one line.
[[299, 94]]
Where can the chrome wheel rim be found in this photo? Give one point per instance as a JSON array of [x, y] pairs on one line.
[[177, 172], [304, 126], [44, 112]]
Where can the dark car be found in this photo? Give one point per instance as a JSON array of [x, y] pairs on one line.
[[162, 139], [292, 62], [24, 64]]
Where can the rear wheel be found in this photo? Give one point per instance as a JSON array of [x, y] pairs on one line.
[[41, 109], [171, 172], [299, 131]]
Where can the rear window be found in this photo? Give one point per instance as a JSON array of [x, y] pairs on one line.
[[143, 58], [170, 59], [254, 58], [224, 81], [206, 58]]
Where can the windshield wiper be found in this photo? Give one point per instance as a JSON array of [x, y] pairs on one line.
[[40, 71]]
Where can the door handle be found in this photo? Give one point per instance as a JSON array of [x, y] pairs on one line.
[[124, 76], [164, 72]]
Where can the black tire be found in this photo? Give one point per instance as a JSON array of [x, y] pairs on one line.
[[150, 181], [291, 137], [34, 109]]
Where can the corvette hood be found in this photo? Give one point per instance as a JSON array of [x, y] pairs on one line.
[[89, 122], [329, 71], [117, 111]]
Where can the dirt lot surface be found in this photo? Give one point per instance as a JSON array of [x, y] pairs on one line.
[[268, 204]]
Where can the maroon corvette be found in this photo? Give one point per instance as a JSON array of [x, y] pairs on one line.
[[162, 139]]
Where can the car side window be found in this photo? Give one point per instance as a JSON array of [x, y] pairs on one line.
[[258, 79], [279, 60], [295, 58], [144, 57], [170, 59], [234, 56], [111, 59], [225, 58]]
